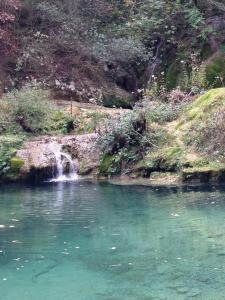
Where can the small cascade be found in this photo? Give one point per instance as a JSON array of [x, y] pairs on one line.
[[66, 167]]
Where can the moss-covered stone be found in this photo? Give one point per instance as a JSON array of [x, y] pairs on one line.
[[13, 171], [174, 157], [16, 164], [168, 159], [206, 104], [201, 109], [195, 162]]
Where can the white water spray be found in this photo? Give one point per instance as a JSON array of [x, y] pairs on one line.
[[63, 161]]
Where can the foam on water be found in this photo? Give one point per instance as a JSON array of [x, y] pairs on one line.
[[65, 178]]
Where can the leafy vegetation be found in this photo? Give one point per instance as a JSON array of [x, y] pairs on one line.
[[9, 144], [83, 48], [126, 140], [30, 111], [23, 114], [152, 57]]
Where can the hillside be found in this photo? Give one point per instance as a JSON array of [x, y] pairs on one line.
[[145, 79], [109, 51], [188, 148], [158, 142]]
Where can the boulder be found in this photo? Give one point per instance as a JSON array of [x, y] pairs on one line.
[[39, 159]]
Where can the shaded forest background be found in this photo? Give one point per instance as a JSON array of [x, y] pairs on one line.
[[112, 50]]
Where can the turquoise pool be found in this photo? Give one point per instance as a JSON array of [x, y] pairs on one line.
[[89, 241]]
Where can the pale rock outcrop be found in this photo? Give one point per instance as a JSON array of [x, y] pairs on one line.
[[40, 161]]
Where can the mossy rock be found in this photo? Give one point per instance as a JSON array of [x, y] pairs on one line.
[[85, 169], [202, 108], [196, 162], [164, 160], [16, 164], [171, 159], [207, 103], [12, 173]]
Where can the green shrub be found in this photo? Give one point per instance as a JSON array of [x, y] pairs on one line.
[[215, 72], [163, 112], [61, 122], [91, 122], [106, 163], [120, 162], [9, 144], [125, 141], [29, 108], [124, 131]]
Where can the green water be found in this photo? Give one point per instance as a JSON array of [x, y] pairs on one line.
[[86, 241]]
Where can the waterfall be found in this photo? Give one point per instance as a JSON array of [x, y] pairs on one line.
[[66, 168]]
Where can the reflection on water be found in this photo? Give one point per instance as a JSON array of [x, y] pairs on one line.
[[91, 241]]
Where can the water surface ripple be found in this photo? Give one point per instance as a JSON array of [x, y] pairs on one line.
[[88, 241]]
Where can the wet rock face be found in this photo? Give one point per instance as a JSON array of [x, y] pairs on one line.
[[203, 175], [85, 150], [40, 161]]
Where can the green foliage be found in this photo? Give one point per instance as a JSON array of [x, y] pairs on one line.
[[198, 82], [126, 141], [215, 72], [91, 122], [117, 163], [106, 163], [9, 144], [58, 37], [194, 17], [188, 74], [209, 135], [60, 122], [29, 108], [160, 112], [172, 76], [120, 49], [16, 164], [126, 131], [168, 159]]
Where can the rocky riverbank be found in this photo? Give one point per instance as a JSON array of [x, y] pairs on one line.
[[185, 154], [38, 156]]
